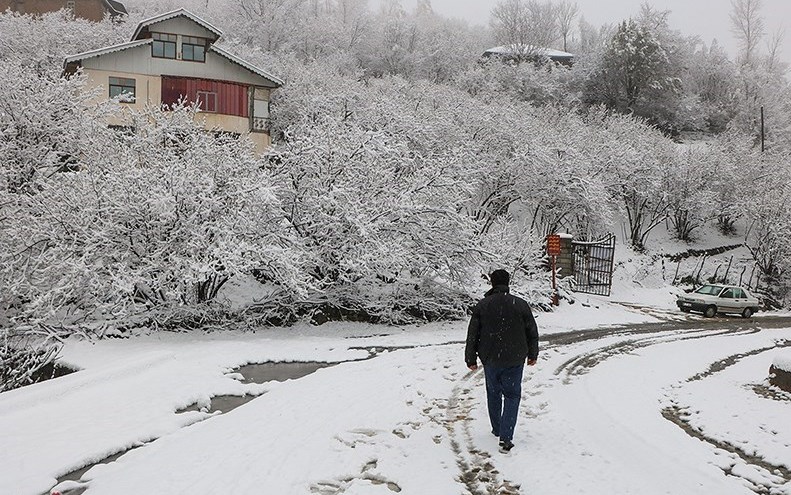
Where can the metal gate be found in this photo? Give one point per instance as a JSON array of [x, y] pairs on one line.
[[593, 265]]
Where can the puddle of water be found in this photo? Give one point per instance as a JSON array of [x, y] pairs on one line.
[[258, 373], [252, 373], [77, 474], [280, 372], [222, 403], [227, 403]]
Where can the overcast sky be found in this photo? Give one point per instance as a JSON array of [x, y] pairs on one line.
[[708, 19]]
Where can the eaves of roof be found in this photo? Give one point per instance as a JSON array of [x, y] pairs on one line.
[[276, 82], [171, 15], [104, 51]]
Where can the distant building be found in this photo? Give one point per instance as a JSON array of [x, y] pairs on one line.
[[173, 57], [92, 10], [525, 53]]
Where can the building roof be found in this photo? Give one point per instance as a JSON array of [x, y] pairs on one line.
[[132, 44], [104, 51], [73, 59], [170, 15], [518, 49], [233, 58], [115, 8]]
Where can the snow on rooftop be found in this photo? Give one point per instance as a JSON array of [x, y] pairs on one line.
[[108, 49], [170, 15], [514, 49], [233, 58]]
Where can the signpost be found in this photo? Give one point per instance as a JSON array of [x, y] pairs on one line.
[[553, 250]]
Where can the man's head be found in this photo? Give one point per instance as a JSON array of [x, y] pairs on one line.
[[499, 277]]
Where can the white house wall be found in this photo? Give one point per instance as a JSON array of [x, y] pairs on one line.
[[148, 91]]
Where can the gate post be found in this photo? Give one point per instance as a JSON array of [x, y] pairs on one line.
[[566, 256], [553, 250]]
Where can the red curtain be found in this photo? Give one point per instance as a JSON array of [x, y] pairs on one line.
[[232, 98]]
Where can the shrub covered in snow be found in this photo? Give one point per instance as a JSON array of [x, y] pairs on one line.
[[159, 217], [22, 356]]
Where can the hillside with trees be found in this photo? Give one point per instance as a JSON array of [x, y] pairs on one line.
[[404, 165]]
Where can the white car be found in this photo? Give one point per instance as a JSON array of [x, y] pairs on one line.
[[713, 299]]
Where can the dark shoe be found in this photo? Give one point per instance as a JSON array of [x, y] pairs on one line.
[[495, 433], [506, 446]]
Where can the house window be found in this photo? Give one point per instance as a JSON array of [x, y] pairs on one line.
[[261, 120], [207, 101], [193, 49], [122, 88], [164, 45]]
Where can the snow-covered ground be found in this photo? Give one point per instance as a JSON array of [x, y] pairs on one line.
[[635, 409]]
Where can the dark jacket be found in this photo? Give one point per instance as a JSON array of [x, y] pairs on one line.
[[502, 330]]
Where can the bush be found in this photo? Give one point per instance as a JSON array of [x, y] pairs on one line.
[[22, 358]]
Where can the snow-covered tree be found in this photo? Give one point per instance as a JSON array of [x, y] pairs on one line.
[[375, 188], [40, 43], [692, 202], [635, 156], [566, 12], [634, 63], [526, 26], [769, 231], [748, 26], [160, 216]]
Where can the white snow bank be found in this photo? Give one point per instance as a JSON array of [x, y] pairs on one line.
[[783, 362]]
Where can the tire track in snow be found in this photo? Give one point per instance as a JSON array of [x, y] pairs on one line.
[[780, 475], [582, 364], [776, 475]]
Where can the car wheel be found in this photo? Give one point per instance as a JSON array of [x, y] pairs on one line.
[[710, 311], [748, 312], [685, 310]]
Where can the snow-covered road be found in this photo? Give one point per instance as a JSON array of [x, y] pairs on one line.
[[645, 409]]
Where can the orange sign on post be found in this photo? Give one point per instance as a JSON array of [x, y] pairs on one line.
[[553, 250], [553, 245]]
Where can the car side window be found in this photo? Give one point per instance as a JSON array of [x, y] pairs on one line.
[[739, 294], [727, 293]]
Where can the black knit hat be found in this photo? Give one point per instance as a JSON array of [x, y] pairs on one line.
[[500, 277]]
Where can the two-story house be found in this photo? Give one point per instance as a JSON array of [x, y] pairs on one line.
[[93, 10], [173, 57]]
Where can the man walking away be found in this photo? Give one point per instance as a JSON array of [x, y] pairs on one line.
[[502, 333]]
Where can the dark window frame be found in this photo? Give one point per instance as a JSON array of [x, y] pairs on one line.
[[164, 40], [193, 42], [123, 86]]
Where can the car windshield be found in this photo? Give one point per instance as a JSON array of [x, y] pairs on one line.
[[710, 290]]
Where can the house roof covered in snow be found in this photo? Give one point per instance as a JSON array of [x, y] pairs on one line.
[[233, 58], [528, 50], [104, 51], [146, 23]]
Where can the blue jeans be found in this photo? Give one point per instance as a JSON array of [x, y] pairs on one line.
[[503, 393]]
